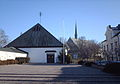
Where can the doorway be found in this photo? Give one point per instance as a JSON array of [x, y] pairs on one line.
[[50, 58]]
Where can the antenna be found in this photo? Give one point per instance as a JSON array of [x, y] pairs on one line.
[[40, 17]]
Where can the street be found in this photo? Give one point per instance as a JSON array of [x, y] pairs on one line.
[[55, 74]]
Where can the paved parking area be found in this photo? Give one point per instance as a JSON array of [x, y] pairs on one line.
[[54, 74]]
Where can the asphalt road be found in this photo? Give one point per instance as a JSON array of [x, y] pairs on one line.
[[54, 74]]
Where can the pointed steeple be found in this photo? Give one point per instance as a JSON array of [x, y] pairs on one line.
[[75, 30]]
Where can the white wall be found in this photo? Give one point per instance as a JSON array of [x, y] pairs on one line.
[[38, 55], [110, 39], [5, 55]]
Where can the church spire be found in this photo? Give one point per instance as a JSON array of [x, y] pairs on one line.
[[75, 30]]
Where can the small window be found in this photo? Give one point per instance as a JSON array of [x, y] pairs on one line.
[[107, 48], [36, 28], [112, 46], [75, 56], [116, 44], [104, 47]]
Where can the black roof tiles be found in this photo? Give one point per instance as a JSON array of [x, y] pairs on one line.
[[37, 36]]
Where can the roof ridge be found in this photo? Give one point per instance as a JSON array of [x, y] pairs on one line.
[[36, 36]]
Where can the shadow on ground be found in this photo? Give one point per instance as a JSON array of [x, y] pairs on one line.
[[86, 75], [56, 74]]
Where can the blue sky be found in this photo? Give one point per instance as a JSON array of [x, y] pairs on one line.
[[92, 16]]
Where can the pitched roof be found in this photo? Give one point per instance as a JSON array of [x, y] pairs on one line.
[[72, 43], [11, 49], [37, 36]]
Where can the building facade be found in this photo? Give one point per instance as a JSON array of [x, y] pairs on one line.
[[11, 54], [111, 46], [73, 49], [42, 46]]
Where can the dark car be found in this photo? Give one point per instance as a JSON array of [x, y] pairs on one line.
[[103, 63]]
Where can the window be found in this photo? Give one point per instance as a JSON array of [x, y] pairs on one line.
[[107, 48], [75, 56], [104, 47], [36, 28], [115, 44], [112, 46]]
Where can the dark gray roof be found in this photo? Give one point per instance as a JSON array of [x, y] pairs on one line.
[[11, 49], [116, 34], [72, 44], [115, 28], [37, 36], [103, 41]]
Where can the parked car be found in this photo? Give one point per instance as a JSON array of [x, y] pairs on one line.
[[88, 63], [103, 63], [115, 62]]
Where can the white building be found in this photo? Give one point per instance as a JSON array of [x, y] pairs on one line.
[[111, 45], [42, 47], [11, 54]]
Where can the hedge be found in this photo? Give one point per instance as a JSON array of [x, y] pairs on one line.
[[112, 68], [16, 61]]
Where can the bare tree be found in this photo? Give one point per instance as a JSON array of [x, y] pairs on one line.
[[94, 48], [62, 40], [3, 38], [88, 48], [82, 47]]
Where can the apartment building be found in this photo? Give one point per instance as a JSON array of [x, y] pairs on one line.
[[111, 46]]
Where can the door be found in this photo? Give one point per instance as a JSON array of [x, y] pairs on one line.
[[50, 58]]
